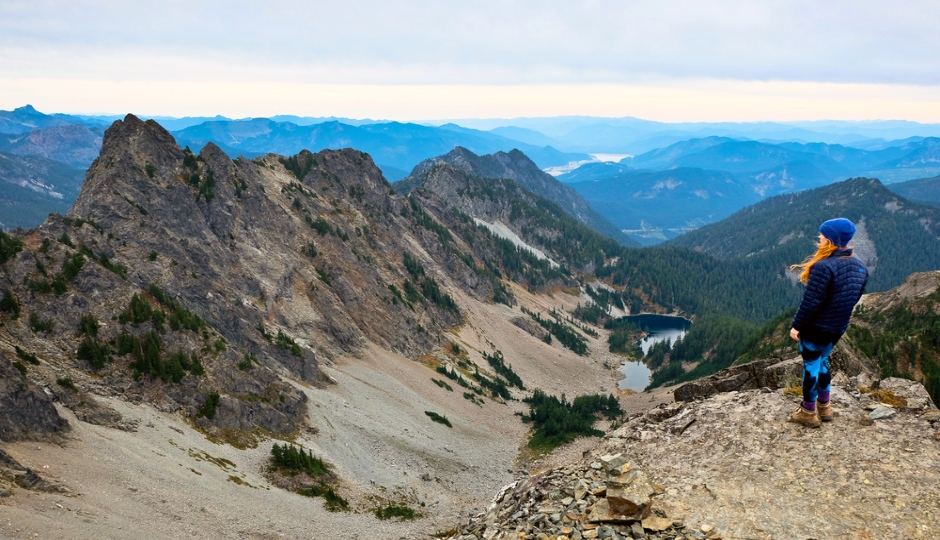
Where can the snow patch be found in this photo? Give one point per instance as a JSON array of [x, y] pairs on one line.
[[502, 231]]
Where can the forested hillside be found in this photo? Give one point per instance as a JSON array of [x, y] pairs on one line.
[[896, 237]]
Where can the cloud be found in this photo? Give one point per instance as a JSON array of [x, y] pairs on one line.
[[472, 42], [669, 60]]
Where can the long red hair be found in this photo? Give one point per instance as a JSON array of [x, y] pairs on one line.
[[823, 250]]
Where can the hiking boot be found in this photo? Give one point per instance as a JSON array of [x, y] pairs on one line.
[[805, 417], [825, 411]]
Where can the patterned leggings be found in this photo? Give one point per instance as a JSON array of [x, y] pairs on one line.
[[816, 375]]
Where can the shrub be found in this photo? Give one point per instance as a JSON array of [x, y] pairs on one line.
[[285, 342], [565, 334], [246, 363], [150, 169], [137, 311], [324, 275], [66, 382], [442, 384], [395, 511], [412, 265], [332, 501], [38, 324], [440, 419], [25, 356], [9, 304], [320, 225], [296, 167], [292, 459], [498, 363], [152, 256], [72, 266], [95, 353], [180, 317], [146, 351], [207, 410], [88, 325], [9, 246]]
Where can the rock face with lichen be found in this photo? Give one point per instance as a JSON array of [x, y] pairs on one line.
[[26, 412]]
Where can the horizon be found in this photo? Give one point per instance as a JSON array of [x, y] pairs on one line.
[[210, 116]]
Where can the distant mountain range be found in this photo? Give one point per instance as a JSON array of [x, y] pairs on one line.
[[635, 135], [395, 146], [661, 193]]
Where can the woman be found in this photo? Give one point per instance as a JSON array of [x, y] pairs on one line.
[[834, 280]]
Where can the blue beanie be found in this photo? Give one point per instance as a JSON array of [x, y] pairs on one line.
[[839, 231]]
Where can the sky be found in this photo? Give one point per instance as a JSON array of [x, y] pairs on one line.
[[419, 60]]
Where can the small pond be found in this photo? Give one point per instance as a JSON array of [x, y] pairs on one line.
[[636, 376]]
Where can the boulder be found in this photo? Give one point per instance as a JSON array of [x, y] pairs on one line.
[[757, 374], [25, 410], [912, 392]]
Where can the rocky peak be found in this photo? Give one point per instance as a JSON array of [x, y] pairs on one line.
[[517, 167], [27, 110]]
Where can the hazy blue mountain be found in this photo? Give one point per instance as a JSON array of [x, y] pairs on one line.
[[31, 187], [735, 156], [896, 236], [923, 190], [26, 118], [652, 206], [634, 135], [528, 136], [395, 146]]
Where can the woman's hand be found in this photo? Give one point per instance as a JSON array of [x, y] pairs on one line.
[[794, 334]]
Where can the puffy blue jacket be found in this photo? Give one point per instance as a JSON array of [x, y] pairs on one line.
[[835, 285]]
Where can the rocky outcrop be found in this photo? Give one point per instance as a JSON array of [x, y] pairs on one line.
[[26, 412], [731, 466], [758, 374]]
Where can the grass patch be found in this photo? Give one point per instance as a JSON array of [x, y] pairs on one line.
[[398, 511], [889, 398], [794, 391], [331, 500]]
